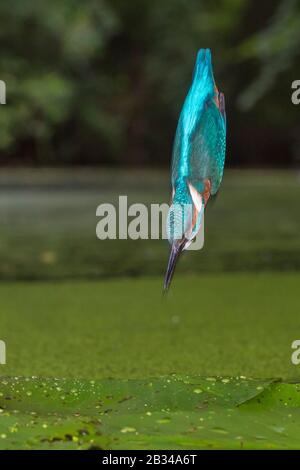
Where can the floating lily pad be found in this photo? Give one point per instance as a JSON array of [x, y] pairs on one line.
[[175, 412]]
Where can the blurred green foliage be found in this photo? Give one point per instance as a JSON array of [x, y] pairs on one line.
[[102, 81]]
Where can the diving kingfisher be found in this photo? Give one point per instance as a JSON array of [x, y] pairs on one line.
[[198, 159]]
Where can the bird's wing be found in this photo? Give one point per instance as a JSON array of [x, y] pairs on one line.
[[199, 145], [207, 144], [177, 146], [202, 89]]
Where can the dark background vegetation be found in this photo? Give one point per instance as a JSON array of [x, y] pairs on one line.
[[102, 81]]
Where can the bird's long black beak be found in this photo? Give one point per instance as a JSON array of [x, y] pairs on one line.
[[175, 251]]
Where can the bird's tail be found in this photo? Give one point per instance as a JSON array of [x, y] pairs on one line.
[[203, 68]]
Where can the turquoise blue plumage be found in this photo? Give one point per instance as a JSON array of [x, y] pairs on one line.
[[198, 158]]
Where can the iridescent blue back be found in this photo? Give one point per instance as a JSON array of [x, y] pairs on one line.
[[199, 146]]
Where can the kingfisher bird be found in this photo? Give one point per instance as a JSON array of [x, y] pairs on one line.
[[198, 159]]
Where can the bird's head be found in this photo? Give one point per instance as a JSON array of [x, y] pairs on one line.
[[183, 222]]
